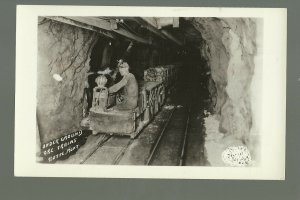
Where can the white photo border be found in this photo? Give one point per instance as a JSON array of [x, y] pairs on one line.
[[273, 97]]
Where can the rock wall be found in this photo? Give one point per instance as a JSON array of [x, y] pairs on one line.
[[230, 48], [63, 60]]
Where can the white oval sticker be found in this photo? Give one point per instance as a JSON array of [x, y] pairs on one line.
[[236, 156]]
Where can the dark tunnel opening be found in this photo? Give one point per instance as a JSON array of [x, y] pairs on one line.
[[194, 76]]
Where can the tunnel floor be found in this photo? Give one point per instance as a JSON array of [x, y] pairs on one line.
[[174, 137], [99, 149]]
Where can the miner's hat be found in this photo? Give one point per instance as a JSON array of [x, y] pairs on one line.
[[123, 65]]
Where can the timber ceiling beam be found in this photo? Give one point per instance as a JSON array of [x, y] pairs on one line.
[[107, 25], [171, 37], [166, 21], [153, 22], [101, 26], [73, 22], [149, 27]]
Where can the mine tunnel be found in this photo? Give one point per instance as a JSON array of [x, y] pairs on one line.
[[193, 78]]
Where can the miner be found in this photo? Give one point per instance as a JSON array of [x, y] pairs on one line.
[[127, 89]]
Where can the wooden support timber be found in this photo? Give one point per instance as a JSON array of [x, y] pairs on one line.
[[100, 26], [149, 27], [105, 28], [152, 21], [82, 25], [171, 37], [166, 21], [106, 25]]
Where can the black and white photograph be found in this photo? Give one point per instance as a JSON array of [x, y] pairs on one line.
[[150, 92]]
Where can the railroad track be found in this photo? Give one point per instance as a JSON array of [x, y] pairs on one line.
[[184, 143], [182, 147], [121, 153], [157, 145], [105, 139]]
